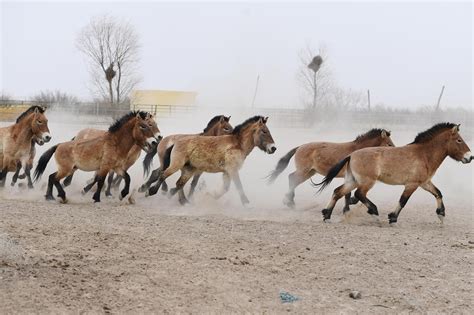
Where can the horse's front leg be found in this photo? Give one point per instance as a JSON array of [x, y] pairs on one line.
[[3, 176], [440, 209], [393, 216], [110, 180], [240, 188], [126, 189], [100, 179], [17, 173], [225, 186], [194, 184], [27, 169]]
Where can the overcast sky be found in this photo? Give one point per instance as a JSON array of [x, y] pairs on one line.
[[402, 52]]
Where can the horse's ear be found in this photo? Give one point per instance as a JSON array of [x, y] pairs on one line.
[[385, 134], [265, 120], [456, 128], [36, 110], [222, 119], [138, 116], [227, 118]]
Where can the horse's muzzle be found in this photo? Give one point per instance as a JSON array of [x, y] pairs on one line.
[[271, 148], [467, 158]]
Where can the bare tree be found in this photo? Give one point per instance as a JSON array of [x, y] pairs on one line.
[[112, 48], [314, 75]]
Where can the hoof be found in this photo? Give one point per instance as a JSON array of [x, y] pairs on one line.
[[173, 191], [12, 184], [49, 197], [63, 201], [142, 189], [183, 201], [441, 218], [289, 203], [83, 192], [326, 214], [327, 220], [30, 186], [353, 201], [345, 210], [392, 218]]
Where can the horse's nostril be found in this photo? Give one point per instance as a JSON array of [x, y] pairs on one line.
[[154, 143]]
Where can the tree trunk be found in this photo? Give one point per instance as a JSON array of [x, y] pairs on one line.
[[118, 82], [111, 92], [315, 92]]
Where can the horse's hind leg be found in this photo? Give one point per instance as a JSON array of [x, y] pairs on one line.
[[164, 186], [100, 183], [338, 193], [126, 189], [49, 190], [225, 186], [28, 168], [440, 210], [240, 188], [68, 180], [409, 190], [186, 174], [361, 194], [294, 180], [89, 186], [155, 175], [61, 192]]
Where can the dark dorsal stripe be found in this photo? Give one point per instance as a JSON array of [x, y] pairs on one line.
[[238, 129], [371, 134], [432, 132], [212, 122], [125, 118], [29, 111]]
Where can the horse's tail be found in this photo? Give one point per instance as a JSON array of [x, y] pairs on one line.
[[43, 161], [332, 174], [167, 158], [148, 160], [282, 164]]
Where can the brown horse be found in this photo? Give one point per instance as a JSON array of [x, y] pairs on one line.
[[28, 167], [102, 154], [412, 166], [133, 155], [221, 154], [16, 140], [219, 125], [318, 158]]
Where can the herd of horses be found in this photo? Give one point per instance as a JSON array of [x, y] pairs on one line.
[[221, 148]]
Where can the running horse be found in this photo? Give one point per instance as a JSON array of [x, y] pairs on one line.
[[221, 154], [133, 155], [219, 125], [412, 166], [318, 158], [16, 142], [103, 154]]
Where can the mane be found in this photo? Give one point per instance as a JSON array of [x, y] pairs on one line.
[[212, 122], [432, 132], [238, 129], [372, 133], [30, 110], [124, 119]]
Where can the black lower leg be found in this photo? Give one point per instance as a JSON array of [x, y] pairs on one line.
[[155, 175], [17, 173], [68, 180], [49, 191], [28, 176], [154, 189], [88, 187], [100, 183], [3, 177], [194, 184], [126, 189], [61, 192], [164, 186], [347, 199], [371, 207], [110, 180]]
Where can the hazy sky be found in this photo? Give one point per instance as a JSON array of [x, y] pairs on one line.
[[402, 52]]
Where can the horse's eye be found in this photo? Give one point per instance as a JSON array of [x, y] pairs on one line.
[[459, 141], [143, 127], [39, 122]]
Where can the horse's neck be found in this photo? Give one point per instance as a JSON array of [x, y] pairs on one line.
[[211, 132], [435, 152], [124, 136], [22, 131], [364, 144], [246, 143]]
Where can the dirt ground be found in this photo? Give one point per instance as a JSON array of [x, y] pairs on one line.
[[215, 256]]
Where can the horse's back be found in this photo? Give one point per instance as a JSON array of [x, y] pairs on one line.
[[321, 156], [89, 133]]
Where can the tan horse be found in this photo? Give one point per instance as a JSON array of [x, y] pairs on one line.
[[219, 125], [222, 154], [28, 167], [91, 133], [412, 166], [318, 158], [103, 154], [16, 140]]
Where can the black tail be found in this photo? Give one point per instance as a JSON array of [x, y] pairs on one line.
[[282, 164], [43, 161], [332, 174], [148, 161], [167, 158]]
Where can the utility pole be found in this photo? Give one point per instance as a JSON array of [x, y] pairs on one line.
[[256, 89], [439, 98], [368, 99]]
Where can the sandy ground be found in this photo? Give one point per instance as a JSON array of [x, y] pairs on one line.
[[217, 256]]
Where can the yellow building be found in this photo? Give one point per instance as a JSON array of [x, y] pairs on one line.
[[162, 102]]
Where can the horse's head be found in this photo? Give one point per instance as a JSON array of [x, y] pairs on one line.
[[384, 139], [146, 132], [457, 148], [223, 127], [262, 136], [39, 126]]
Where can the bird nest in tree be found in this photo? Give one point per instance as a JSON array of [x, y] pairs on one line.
[[110, 72], [316, 63]]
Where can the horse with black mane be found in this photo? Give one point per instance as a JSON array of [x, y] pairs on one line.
[[103, 154], [221, 154], [412, 166]]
